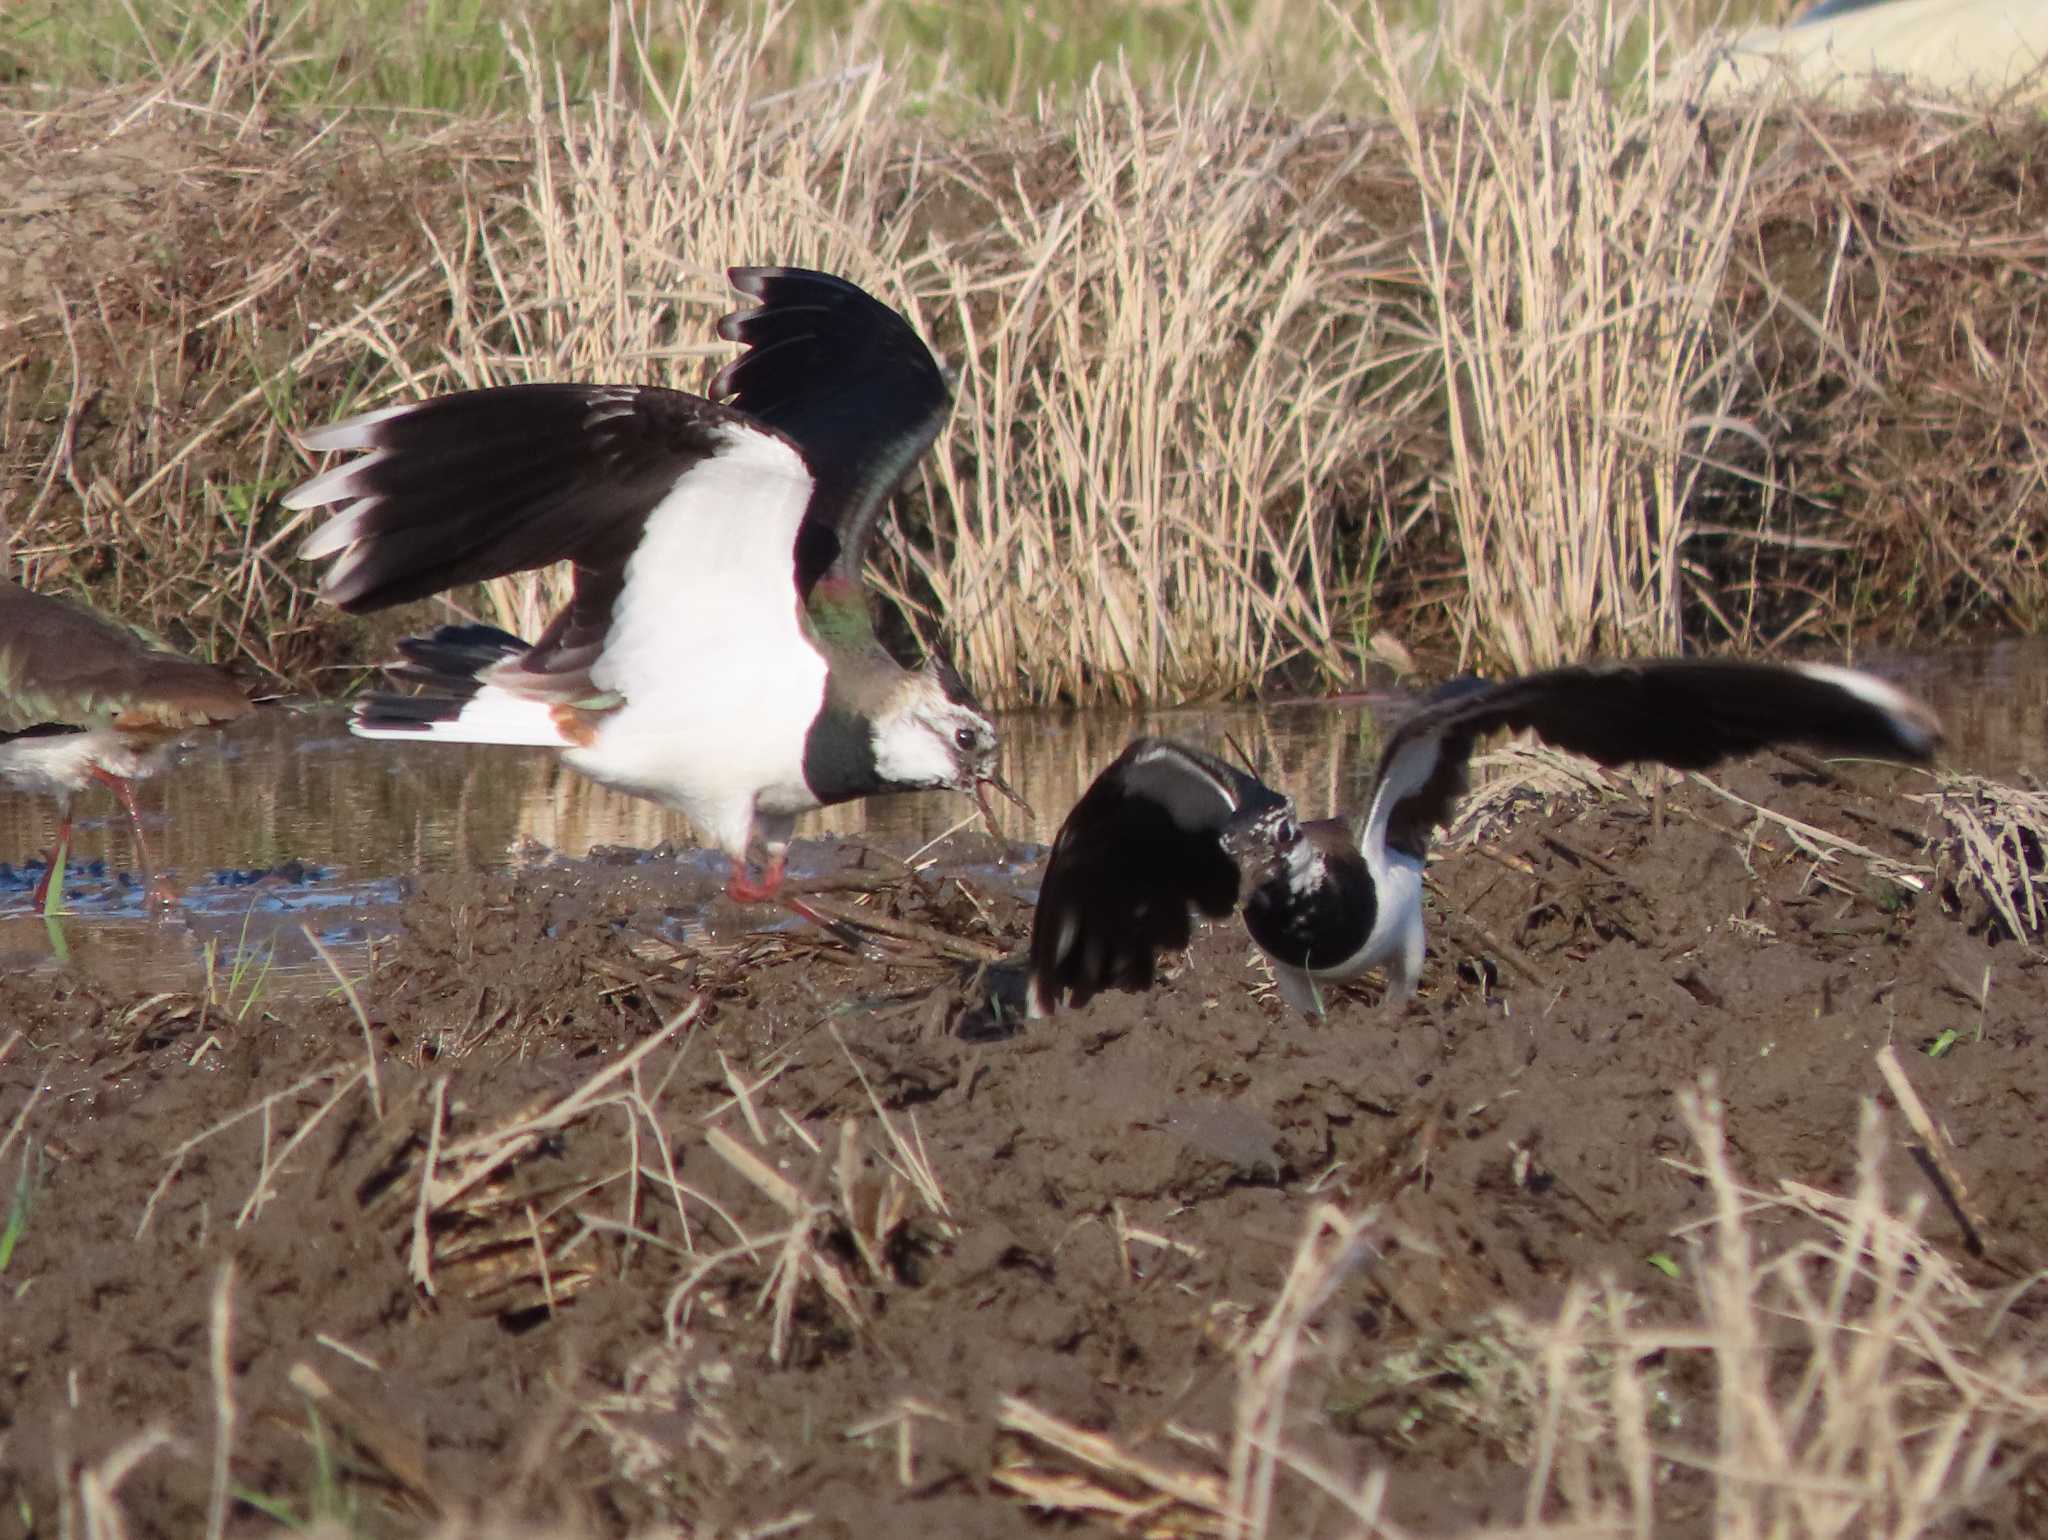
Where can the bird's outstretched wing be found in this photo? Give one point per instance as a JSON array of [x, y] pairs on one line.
[[851, 384], [1688, 713], [482, 483], [1139, 853]]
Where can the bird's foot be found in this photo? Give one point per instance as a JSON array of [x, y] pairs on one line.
[[741, 887]]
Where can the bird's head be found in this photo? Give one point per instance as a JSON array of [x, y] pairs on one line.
[[1267, 842], [934, 735]]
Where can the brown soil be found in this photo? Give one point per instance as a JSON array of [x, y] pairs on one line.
[[595, 1346]]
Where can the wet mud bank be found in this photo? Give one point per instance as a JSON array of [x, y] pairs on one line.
[[585, 1208]]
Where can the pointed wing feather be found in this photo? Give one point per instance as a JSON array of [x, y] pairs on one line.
[[482, 483], [1688, 713], [849, 381], [61, 664], [1137, 854]]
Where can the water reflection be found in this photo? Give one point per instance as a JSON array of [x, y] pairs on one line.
[[284, 821]]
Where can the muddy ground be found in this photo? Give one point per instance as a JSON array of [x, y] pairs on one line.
[[583, 1316]]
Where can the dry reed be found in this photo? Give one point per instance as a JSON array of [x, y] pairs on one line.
[[1574, 248], [1205, 430], [1850, 1380], [1989, 841], [1179, 360]]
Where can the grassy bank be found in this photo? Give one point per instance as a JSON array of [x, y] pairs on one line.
[[1477, 339], [460, 57]]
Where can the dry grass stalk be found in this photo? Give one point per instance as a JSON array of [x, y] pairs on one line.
[[1519, 778], [871, 1214], [89, 1502], [1332, 1246], [1990, 843], [164, 456], [1894, 1412], [1574, 250], [482, 1229], [1856, 1389], [1155, 1498], [1168, 370], [355, 1005], [220, 1363], [20, 1119], [1896, 342], [1823, 846], [1859, 1381], [1141, 1496], [271, 1160]]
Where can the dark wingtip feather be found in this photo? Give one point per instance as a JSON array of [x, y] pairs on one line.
[[815, 340], [1138, 855], [481, 483], [384, 711], [449, 660]]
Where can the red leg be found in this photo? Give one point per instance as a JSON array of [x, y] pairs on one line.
[[158, 891], [742, 889]]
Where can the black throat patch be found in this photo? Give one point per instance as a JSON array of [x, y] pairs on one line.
[[1320, 928], [839, 756]]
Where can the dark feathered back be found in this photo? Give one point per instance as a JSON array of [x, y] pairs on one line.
[[63, 665], [1139, 850]]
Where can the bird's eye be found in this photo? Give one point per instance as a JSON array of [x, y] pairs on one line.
[[1288, 834], [967, 738]]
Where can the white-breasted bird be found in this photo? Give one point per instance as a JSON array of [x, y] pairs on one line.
[[1167, 830], [718, 655], [85, 700]]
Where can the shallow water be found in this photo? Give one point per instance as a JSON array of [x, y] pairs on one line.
[[285, 830]]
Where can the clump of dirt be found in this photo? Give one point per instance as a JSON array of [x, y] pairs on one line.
[[593, 1213]]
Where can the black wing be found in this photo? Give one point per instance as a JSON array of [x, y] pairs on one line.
[[1140, 849], [450, 659], [850, 383], [1688, 713], [475, 485]]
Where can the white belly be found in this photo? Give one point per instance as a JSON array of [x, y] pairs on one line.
[[1396, 925], [725, 743], [720, 678], [58, 764]]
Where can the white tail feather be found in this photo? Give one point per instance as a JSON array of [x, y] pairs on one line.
[[490, 716]]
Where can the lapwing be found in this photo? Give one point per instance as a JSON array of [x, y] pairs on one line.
[[1167, 830], [718, 655], [84, 700]]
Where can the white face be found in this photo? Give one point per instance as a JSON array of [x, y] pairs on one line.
[[1299, 857], [926, 740]]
